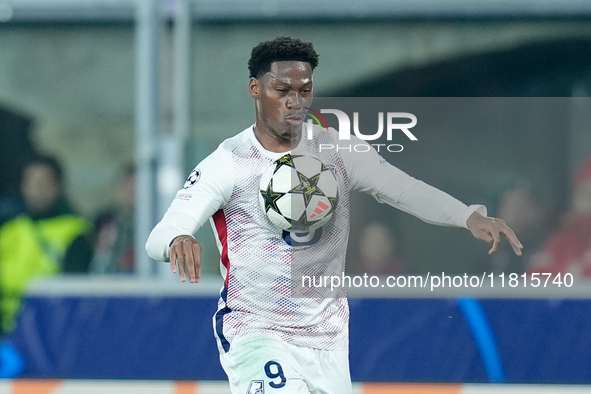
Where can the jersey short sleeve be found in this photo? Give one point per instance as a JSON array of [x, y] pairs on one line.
[[369, 172], [207, 189]]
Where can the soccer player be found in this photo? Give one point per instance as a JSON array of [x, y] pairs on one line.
[[270, 342]]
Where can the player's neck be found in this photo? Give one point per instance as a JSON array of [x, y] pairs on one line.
[[272, 142]]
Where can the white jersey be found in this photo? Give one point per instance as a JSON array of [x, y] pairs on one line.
[[259, 262]]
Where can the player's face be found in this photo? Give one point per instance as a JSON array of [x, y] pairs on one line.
[[281, 97], [41, 188]]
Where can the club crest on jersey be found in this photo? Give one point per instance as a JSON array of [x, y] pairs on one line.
[[256, 387], [193, 178]]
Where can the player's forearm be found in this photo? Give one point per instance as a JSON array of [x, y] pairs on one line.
[[172, 225], [431, 205]]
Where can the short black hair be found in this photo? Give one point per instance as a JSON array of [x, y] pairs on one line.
[[277, 50]]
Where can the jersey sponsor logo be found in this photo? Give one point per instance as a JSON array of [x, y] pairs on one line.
[[302, 238], [193, 178], [256, 387]]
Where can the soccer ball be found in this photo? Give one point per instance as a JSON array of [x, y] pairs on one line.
[[299, 192]]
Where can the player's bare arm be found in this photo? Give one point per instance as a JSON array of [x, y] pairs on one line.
[[490, 230], [185, 253]]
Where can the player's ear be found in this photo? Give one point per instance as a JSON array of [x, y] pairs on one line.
[[254, 87]]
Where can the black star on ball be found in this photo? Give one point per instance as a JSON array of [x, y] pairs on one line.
[[271, 197], [284, 160], [307, 187]]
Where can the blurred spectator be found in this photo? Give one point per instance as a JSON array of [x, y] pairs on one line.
[[377, 252], [519, 208], [47, 239], [10, 206], [114, 227], [569, 248], [16, 150]]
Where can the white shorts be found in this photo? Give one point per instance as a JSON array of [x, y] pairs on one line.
[[269, 366]]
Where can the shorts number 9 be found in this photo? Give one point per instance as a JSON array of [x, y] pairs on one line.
[[273, 371]]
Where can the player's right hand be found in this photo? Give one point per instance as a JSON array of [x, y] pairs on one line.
[[185, 254]]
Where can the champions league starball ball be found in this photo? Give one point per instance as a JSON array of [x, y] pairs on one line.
[[299, 192]]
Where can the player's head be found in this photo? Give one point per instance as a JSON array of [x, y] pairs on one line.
[[281, 84], [277, 50], [42, 183]]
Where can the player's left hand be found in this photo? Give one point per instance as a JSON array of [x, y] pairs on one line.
[[490, 230]]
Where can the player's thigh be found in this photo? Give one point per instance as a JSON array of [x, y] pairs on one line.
[[329, 374], [263, 366]]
